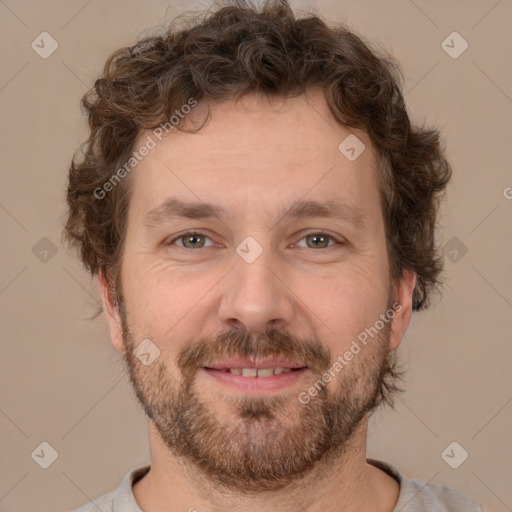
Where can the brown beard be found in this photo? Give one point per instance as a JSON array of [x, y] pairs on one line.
[[267, 442]]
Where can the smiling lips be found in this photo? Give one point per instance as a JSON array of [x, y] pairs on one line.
[[254, 368]]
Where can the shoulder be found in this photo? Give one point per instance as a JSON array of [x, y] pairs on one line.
[[419, 496], [104, 503], [120, 500]]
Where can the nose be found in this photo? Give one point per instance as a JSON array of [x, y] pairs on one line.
[[255, 296]]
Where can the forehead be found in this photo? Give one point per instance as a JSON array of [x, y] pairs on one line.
[[260, 153]]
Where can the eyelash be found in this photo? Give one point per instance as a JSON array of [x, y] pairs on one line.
[[189, 233]]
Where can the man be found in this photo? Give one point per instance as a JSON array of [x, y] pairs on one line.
[[261, 214]]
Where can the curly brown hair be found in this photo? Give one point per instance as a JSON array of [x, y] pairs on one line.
[[239, 49]]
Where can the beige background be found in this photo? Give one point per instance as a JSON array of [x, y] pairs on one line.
[[61, 380]]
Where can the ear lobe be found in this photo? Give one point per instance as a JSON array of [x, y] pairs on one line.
[[403, 313], [111, 311]]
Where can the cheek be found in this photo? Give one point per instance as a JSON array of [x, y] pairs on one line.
[[346, 303], [163, 302]]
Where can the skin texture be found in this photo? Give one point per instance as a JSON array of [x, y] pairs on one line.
[[212, 447]]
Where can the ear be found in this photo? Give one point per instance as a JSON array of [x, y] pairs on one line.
[[403, 313], [112, 315]]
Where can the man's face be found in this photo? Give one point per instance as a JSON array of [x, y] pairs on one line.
[[255, 284]]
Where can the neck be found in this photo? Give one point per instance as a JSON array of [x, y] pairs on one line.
[[344, 482]]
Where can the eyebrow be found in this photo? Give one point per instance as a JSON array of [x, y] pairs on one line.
[[174, 208]]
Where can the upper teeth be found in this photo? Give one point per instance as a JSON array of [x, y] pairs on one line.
[[262, 372]]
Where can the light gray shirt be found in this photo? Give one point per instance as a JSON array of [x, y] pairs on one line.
[[415, 495]]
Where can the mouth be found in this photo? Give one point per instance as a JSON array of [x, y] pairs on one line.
[[255, 376], [256, 372]]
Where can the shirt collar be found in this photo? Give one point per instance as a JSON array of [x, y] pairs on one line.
[[124, 499]]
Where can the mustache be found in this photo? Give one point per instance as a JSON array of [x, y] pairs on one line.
[[272, 343]]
